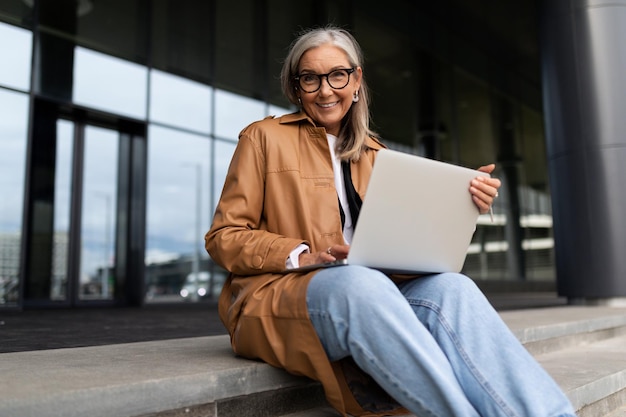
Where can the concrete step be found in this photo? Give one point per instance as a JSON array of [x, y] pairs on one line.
[[593, 375], [545, 330], [621, 412], [580, 347], [149, 378]]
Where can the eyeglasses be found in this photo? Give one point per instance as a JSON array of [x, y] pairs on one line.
[[337, 79]]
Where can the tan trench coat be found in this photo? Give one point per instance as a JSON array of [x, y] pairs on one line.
[[280, 192]]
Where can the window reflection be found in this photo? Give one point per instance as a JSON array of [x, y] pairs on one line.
[[99, 213], [13, 125], [62, 196], [108, 83], [15, 44], [223, 154], [279, 111], [535, 202], [177, 214], [475, 121], [180, 102], [234, 112]]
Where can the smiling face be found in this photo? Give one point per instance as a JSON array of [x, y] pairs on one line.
[[328, 106]]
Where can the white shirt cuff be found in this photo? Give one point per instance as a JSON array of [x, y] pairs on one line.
[[294, 257]]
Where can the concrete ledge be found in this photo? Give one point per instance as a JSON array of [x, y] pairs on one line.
[[201, 376], [592, 375], [132, 379], [544, 330]]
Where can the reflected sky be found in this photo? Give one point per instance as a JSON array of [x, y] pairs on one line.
[[15, 44], [179, 102], [233, 112], [63, 176], [108, 83], [99, 200], [13, 125], [178, 166], [224, 152]]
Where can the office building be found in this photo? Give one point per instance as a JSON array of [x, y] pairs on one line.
[[118, 119]]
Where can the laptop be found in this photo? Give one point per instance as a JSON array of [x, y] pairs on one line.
[[417, 217]]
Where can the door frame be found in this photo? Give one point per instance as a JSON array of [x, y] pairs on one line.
[[129, 228]]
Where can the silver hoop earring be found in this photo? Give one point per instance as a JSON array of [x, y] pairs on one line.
[[355, 98], [299, 101]]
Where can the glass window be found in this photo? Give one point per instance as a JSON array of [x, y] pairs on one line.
[[62, 211], [13, 125], [180, 102], [534, 149], [475, 124], [16, 47], [279, 111], [99, 213], [391, 73], [178, 212], [536, 207], [109, 83], [474, 139], [234, 112], [223, 154], [444, 111]]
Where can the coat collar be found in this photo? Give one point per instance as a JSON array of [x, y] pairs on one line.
[[300, 116]]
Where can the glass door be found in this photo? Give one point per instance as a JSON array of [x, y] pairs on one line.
[[86, 213], [99, 202]]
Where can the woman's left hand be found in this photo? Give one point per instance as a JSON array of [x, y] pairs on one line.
[[484, 190]]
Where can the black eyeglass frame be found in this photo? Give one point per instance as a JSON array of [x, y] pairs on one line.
[[296, 78]]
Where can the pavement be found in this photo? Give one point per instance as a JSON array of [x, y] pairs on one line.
[[175, 359], [30, 330], [56, 328]]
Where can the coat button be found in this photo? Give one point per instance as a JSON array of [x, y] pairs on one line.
[[257, 261]]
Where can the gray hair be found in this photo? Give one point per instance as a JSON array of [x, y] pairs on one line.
[[355, 127]]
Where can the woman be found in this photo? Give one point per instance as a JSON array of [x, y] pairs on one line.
[[433, 344]]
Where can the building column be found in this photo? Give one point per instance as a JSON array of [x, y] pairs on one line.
[[54, 55], [584, 94]]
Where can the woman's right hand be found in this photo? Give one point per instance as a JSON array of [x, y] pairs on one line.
[[332, 253]]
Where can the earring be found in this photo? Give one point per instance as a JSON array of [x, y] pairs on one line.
[[299, 101], [355, 98]]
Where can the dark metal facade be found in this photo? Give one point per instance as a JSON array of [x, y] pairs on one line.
[[584, 83]]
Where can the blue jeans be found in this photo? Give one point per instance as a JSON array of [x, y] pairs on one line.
[[434, 344]]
